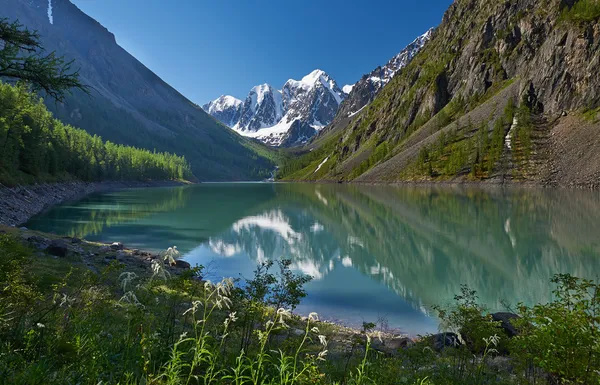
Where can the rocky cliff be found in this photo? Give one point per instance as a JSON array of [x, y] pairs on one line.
[[486, 99]]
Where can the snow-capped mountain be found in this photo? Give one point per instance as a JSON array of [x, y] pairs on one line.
[[365, 90], [226, 109], [293, 115], [285, 117]]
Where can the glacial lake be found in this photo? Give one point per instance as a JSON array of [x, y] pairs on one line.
[[376, 253]]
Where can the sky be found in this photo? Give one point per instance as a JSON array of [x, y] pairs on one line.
[[225, 47]]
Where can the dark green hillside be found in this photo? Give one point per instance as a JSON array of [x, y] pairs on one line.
[[129, 104], [494, 96], [36, 147]]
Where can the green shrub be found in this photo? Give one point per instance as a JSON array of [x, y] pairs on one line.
[[562, 337]]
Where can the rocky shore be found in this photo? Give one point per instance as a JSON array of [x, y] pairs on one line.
[[18, 204]]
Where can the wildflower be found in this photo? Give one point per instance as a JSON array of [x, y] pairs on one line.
[[323, 340], [284, 313], [194, 307], [232, 317], [321, 355], [313, 316], [40, 325], [131, 299], [127, 279], [379, 336], [268, 324], [315, 330]]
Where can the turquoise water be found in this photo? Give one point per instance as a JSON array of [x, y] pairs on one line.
[[376, 253]]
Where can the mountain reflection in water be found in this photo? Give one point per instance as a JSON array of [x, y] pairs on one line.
[[374, 252]]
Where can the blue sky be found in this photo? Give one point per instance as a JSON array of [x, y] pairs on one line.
[[208, 48]]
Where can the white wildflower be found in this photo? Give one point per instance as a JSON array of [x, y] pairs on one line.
[[313, 316], [284, 313], [315, 330], [323, 340], [40, 325], [131, 299], [194, 307], [127, 279], [321, 356]]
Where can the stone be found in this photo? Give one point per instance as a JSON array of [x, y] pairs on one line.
[[441, 341], [58, 248], [181, 264], [121, 254], [116, 246], [505, 319], [391, 346], [75, 240], [23, 228], [38, 242], [135, 252]]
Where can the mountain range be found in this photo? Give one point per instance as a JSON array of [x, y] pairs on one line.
[[293, 115], [503, 92], [129, 104], [284, 117]]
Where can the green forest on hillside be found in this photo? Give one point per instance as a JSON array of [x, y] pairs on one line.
[[36, 147]]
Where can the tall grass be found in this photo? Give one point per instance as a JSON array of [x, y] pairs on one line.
[[62, 324]]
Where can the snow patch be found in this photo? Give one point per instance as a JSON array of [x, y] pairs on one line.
[[509, 134], [321, 165], [356, 112], [50, 16], [347, 88]]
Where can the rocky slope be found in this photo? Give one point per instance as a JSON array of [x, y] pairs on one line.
[[365, 90], [285, 117], [487, 99], [129, 104]]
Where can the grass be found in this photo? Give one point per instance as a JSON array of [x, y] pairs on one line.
[[582, 11], [61, 323]]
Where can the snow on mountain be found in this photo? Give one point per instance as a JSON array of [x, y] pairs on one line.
[[289, 116], [293, 115], [347, 88], [226, 109], [365, 90]]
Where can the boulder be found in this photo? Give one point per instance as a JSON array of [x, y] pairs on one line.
[[505, 319], [58, 248], [38, 242], [445, 340], [391, 346], [181, 264], [116, 246]]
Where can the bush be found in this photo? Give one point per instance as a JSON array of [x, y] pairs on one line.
[[562, 337]]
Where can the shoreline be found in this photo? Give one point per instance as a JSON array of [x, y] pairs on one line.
[[21, 203]]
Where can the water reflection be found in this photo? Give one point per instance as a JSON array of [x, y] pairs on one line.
[[374, 251]]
